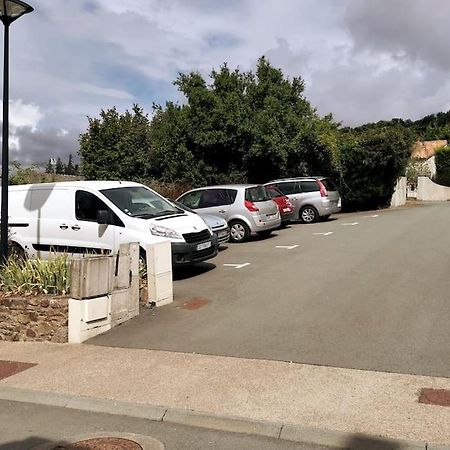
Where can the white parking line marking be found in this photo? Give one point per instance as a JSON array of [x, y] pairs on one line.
[[351, 224], [324, 234], [374, 215], [288, 247], [237, 266]]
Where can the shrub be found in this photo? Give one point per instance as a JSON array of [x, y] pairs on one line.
[[35, 276], [370, 163], [442, 160]]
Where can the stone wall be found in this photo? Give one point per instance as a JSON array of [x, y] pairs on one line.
[[33, 318], [399, 195]]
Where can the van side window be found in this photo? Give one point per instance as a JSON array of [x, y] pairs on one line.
[[310, 186], [288, 187], [87, 205]]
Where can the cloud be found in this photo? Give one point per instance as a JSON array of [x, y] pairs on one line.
[[361, 60]]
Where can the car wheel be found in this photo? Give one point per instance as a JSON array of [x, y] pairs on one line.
[[239, 231], [308, 214], [16, 252], [325, 218], [265, 233]]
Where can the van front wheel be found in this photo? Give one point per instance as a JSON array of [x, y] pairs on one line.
[[308, 214], [16, 252], [239, 231]]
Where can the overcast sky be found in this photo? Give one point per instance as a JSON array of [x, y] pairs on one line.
[[362, 60]]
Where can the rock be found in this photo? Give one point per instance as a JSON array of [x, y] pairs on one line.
[[44, 329], [23, 319], [33, 315], [45, 303], [60, 336], [31, 333]]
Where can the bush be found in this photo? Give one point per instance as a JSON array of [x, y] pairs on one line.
[[442, 160], [35, 276], [370, 163]]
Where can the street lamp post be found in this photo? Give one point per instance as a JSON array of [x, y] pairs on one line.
[[10, 10]]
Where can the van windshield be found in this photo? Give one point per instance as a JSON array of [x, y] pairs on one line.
[[137, 201]]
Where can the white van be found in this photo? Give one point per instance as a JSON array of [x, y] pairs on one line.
[[97, 216]]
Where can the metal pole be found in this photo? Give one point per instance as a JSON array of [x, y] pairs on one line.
[[5, 151]]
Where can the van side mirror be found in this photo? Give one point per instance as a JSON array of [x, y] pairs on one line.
[[103, 217]]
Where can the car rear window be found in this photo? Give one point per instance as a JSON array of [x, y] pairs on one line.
[[257, 194], [274, 192], [329, 184]]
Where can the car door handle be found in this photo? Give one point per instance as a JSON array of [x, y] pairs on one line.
[[222, 211], [63, 226], [75, 227]]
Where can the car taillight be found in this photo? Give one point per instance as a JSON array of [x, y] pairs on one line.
[[323, 189], [251, 206]]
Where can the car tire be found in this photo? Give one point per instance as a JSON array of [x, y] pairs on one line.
[[16, 252], [325, 218], [308, 214], [264, 234], [239, 231], [285, 223]]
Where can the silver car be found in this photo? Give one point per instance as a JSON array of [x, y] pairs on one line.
[[248, 208], [218, 225], [313, 198]]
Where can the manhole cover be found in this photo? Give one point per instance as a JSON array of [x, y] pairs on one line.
[[9, 368], [101, 444], [194, 303]]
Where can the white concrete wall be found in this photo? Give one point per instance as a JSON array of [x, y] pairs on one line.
[[429, 191], [399, 195]]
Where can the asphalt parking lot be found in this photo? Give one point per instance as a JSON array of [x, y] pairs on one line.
[[366, 291]]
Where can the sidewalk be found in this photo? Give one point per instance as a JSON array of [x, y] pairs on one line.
[[290, 401]]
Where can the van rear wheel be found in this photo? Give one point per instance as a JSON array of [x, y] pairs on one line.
[[239, 231]]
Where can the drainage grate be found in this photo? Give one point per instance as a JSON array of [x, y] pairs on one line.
[[9, 368], [101, 444], [194, 303], [438, 397]]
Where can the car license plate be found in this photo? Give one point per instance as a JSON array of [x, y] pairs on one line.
[[286, 209], [204, 245]]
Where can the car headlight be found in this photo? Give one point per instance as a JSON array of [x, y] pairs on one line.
[[158, 230]]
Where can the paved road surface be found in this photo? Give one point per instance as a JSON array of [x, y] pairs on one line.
[[373, 295], [25, 425]]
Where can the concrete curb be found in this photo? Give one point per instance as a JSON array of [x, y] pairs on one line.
[[146, 442], [284, 431]]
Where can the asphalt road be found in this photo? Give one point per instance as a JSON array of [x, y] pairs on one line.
[[25, 425], [374, 294]]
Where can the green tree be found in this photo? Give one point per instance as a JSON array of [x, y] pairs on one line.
[[70, 169], [59, 168], [442, 159], [369, 163], [49, 167], [116, 146]]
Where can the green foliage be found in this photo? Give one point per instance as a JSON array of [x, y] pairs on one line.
[[416, 168], [370, 162], [242, 126], [442, 159], [35, 276], [116, 146]]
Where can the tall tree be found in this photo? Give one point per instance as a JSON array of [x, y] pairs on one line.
[[59, 168], [70, 169]]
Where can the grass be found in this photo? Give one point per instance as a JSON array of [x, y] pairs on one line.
[[37, 276]]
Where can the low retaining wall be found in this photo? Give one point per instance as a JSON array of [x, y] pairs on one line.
[[40, 318], [427, 190]]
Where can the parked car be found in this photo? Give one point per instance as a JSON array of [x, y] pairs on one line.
[[313, 198], [247, 208], [97, 216], [284, 205], [218, 225]]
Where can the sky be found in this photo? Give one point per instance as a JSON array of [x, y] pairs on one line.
[[361, 60]]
